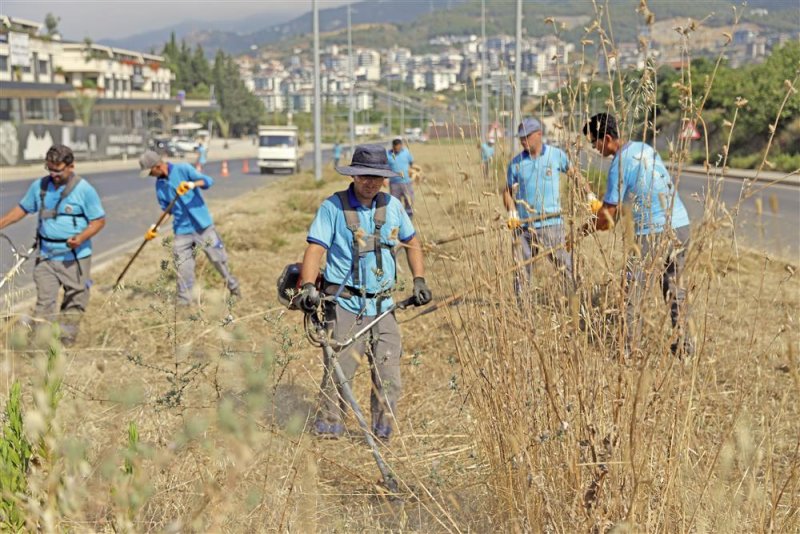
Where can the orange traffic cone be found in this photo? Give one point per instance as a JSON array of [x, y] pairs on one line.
[[224, 172], [245, 167]]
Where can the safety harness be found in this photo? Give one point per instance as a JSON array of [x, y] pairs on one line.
[[362, 245], [45, 214]]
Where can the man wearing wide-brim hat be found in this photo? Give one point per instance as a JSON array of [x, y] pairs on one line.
[[358, 229]]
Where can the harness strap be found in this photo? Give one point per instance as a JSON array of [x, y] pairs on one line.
[[45, 182], [354, 224]]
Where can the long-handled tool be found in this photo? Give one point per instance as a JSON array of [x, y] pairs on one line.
[[331, 357], [455, 298], [160, 220], [21, 258], [542, 217]]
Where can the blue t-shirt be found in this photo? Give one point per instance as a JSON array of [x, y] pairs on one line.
[[400, 164], [487, 152], [539, 181], [337, 151], [190, 214], [647, 185], [202, 154], [329, 230], [83, 200]]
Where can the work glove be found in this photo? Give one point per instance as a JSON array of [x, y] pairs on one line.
[[185, 187], [422, 294], [151, 233], [513, 221], [594, 203], [310, 298]]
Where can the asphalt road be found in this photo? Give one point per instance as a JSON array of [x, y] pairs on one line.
[[130, 205]]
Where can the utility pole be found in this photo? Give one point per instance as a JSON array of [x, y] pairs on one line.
[[352, 80], [402, 107], [389, 101], [317, 97], [518, 68], [484, 75]]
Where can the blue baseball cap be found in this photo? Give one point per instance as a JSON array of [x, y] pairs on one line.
[[528, 126]]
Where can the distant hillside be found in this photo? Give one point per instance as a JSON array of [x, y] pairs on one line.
[[412, 23], [236, 37]]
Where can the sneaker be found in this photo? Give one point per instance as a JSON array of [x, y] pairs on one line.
[[328, 430]]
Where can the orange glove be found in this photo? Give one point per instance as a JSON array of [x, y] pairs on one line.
[[513, 221], [151, 234], [185, 187], [594, 203]]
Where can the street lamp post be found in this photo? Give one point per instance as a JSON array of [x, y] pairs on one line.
[[317, 96], [518, 67], [352, 80], [484, 75]]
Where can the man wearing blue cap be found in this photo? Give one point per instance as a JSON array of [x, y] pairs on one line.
[[533, 200], [358, 229]]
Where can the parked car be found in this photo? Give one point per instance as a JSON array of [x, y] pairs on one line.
[[164, 146], [185, 145]]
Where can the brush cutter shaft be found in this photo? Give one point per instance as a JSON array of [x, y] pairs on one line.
[[347, 393], [160, 220], [542, 217], [10, 274]]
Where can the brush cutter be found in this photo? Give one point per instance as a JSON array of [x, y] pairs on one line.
[[21, 258], [288, 293], [155, 227], [543, 217], [321, 336]]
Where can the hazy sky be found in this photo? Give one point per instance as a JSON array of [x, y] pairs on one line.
[[100, 19]]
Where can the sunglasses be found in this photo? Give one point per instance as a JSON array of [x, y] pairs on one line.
[[55, 172]]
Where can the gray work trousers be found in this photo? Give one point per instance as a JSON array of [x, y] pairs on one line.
[[74, 276], [405, 194], [184, 250], [384, 359], [662, 259], [530, 242]]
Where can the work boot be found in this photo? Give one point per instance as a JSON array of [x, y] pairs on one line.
[[382, 432], [236, 292], [328, 430], [683, 348]]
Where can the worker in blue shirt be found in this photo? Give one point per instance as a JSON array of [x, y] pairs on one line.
[[191, 221], [357, 230], [487, 156], [202, 155], [69, 214], [337, 153], [639, 180], [533, 199], [400, 185]]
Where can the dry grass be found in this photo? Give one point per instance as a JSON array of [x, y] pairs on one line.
[[514, 417]]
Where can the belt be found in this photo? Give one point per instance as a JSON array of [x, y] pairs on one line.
[[347, 292]]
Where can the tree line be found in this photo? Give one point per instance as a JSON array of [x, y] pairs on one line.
[[240, 110]]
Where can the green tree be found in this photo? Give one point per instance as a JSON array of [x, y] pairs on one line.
[[51, 23]]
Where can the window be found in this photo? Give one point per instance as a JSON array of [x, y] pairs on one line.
[[40, 109], [9, 110], [3, 63], [283, 141], [43, 66]]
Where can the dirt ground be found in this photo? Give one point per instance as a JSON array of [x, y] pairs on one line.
[[221, 394]]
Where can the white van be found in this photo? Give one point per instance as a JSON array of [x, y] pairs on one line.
[[278, 148]]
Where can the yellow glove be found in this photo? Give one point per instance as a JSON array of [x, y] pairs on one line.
[[185, 187], [594, 203], [513, 221], [151, 234]]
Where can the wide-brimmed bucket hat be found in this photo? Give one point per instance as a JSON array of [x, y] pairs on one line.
[[368, 160]]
